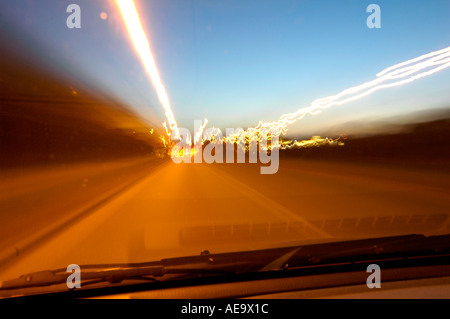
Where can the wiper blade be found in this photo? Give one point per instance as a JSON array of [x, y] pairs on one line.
[[59, 276], [118, 272], [244, 262], [364, 250], [104, 273]]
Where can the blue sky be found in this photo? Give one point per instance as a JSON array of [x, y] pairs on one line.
[[236, 62]]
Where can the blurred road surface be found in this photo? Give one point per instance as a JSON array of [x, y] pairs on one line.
[[143, 210]]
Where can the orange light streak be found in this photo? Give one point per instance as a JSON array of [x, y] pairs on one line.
[[142, 46]]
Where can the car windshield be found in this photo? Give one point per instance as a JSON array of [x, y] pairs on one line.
[[136, 131]]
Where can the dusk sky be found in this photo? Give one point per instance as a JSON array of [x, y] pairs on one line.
[[236, 62]]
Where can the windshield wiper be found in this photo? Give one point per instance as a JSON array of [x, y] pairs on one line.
[[245, 262], [112, 273], [397, 247], [59, 276]]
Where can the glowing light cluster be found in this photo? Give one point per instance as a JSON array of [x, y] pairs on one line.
[[396, 75], [315, 141]]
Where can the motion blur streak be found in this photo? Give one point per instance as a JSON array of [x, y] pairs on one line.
[[396, 75], [199, 134], [140, 41], [443, 51]]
